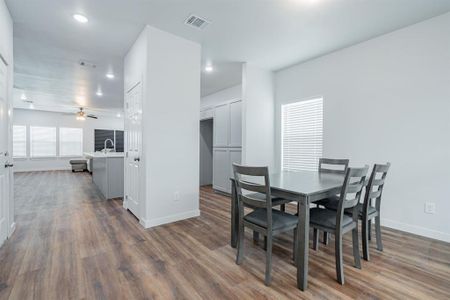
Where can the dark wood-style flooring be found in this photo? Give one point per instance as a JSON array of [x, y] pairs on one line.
[[72, 244]]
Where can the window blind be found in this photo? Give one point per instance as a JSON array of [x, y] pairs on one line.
[[70, 141], [19, 141], [42, 141], [302, 135]]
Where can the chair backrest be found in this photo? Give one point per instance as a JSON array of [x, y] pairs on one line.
[[374, 188], [351, 191], [330, 165], [256, 174]]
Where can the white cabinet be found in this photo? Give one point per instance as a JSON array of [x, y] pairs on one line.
[[221, 124], [228, 125], [235, 124], [223, 167]]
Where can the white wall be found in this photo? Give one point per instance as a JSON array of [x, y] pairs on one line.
[[171, 111], [225, 95], [388, 99], [6, 49], [257, 116], [42, 118]]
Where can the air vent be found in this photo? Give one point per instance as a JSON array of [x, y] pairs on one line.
[[196, 22], [87, 64]]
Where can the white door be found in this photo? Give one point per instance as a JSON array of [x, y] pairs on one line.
[[133, 147], [236, 124], [221, 174], [4, 157]]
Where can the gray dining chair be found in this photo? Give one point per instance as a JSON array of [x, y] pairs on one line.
[[337, 222], [367, 212], [331, 166], [263, 219]]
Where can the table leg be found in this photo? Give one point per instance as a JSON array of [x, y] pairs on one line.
[[234, 217], [303, 244]]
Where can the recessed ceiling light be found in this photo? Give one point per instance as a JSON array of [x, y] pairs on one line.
[[80, 18], [99, 93], [209, 68], [110, 75]]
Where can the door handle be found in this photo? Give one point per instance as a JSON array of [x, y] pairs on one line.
[[137, 159], [8, 165]]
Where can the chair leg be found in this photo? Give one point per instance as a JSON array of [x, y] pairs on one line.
[[255, 237], [283, 207], [378, 233], [365, 239], [316, 239], [355, 242], [240, 245], [339, 260], [326, 239], [268, 276], [370, 230], [294, 251]]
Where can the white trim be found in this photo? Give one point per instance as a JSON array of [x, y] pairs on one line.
[[170, 219], [414, 229], [12, 229]]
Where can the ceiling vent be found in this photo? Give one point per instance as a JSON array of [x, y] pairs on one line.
[[87, 64], [196, 22]]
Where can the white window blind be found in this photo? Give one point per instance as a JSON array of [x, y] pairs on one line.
[[42, 141], [19, 141], [70, 141], [302, 135]]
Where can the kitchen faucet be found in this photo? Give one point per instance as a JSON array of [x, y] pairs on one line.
[[106, 141]]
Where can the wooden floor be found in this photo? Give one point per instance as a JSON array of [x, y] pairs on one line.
[[72, 244]]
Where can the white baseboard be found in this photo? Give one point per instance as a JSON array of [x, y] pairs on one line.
[[170, 219], [43, 169], [12, 229], [414, 229]]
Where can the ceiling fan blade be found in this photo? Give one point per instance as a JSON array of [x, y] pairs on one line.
[[92, 116]]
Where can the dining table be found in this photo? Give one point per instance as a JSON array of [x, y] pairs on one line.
[[303, 187]]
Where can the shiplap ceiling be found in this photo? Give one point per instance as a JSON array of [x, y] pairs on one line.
[[269, 33]]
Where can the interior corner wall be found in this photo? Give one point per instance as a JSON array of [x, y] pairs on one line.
[[171, 113], [258, 116], [387, 99]]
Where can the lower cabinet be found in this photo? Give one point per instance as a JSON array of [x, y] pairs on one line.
[[223, 159]]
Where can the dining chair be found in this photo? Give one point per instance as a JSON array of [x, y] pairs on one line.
[[337, 222], [263, 219], [331, 166], [367, 212]]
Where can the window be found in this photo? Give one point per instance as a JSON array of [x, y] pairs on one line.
[[42, 141], [302, 135], [70, 141], [19, 141]]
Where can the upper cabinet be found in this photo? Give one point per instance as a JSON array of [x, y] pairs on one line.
[[221, 125], [228, 124]]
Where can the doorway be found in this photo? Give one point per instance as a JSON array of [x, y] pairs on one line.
[[206, 152]]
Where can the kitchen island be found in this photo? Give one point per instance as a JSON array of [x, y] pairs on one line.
[[107, 172]]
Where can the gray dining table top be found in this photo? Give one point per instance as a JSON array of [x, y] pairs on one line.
[[303, 183]]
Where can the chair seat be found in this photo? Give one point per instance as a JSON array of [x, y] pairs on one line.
[[333, 205], [324, 202], [275, 201], [280, 219], [327, 218]]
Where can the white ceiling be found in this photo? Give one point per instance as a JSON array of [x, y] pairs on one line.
[[269, 33]]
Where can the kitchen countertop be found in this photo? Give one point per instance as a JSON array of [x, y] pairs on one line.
[[103, 154]]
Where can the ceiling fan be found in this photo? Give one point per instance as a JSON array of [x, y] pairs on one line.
[[81, 115]]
